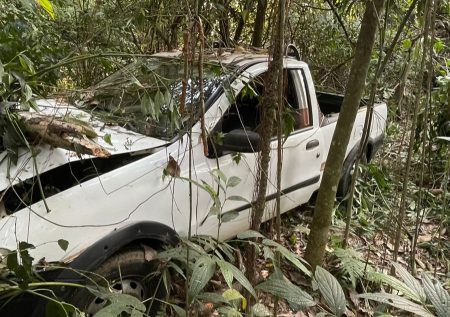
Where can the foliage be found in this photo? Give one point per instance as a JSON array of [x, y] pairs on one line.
[[418, 295], [351, 265]]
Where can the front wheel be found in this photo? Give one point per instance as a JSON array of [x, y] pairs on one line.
[[127, 272]]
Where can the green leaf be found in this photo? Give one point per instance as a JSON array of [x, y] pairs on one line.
[[407, 44], [331, 291], [11, 261], [159, 99], [281, 287], [250, 234], [27, 93], [212, 297], [260, 310], [438, 45], [238, 275], [288, 255], [237, 157], [107, 138], [144, 104], [26, 63], [351, 264], [178, 310], [238, 198], [410, 281], [214, 210], [221, 175], [203, 271], [228, 311], [59, 309], [437, 295], [48, 7], [63, 244], [398, 302], [229, 216], [235, 298], [394, 283], [227, 273], [119, 303], [233, 181]]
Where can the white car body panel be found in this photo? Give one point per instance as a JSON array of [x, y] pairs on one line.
[[136, 192]]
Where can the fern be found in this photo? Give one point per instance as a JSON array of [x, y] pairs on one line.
[[352, 265]]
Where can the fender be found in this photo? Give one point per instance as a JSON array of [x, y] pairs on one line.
[[155, 232]]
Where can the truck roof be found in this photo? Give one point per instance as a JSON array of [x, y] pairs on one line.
[[239, 56]]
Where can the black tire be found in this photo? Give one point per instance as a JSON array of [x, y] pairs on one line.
[[129, 272], [347, 173]]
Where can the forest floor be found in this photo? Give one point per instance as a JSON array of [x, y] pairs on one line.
[[374, 249]]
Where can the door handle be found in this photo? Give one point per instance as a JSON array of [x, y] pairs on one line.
[[312, 144]]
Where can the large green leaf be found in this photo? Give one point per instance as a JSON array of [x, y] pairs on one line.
[[281, 287], [237, 274], [437, 295], [226, 272], [410, 281], [288, 255], [331, 291], [249, 234], [204, 269], [227, 311], [394, 283], [119, 303], [398, 302]]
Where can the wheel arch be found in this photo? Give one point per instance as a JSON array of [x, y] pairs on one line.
[[154, 234]]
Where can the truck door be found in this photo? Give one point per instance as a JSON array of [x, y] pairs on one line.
[[302, 149]]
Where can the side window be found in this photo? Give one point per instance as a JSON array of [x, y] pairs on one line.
[[244, 112], [302, 114]]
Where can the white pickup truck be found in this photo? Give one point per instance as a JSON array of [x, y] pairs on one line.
[[140, 194]]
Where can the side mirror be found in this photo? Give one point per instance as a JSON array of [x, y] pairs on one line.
[[240, 140]]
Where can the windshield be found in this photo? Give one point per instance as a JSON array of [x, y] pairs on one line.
[[145, 96]]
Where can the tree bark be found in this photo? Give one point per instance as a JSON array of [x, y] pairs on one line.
[[67, 135], [320, 225], [258, 28], [268, 108], [248, 6]]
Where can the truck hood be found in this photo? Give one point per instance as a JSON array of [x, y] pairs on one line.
[[115, 139]]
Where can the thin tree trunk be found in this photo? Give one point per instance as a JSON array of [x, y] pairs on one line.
[[420, 213], [268, 112], [419, 82], [320, 226], [258, 28], [248, 6]]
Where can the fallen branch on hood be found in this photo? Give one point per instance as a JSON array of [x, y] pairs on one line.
[[73, 135]]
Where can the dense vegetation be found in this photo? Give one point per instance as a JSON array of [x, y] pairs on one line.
[[399, 220]]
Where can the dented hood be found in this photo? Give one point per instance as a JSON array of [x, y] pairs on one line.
[[120, 141]]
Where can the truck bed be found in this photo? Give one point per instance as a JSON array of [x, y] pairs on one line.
[[330, 105]]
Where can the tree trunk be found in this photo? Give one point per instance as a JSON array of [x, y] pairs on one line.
[[268, 108], [320, 225], [248, 6], [258, 28], [224, 26]]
